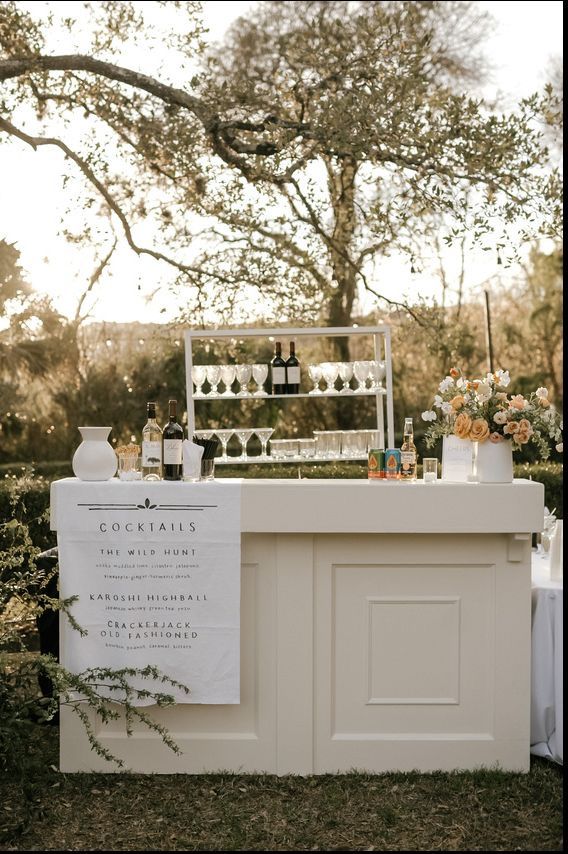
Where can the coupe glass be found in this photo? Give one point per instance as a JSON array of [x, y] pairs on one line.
[[259, 375], [224, 436], [243, 436], [213, 377], [376, 374], [228, 377], [315, 375], [264, 434], [361, 372], [204, 434], [198, 375], [330, 371], [345, 375], [243, 378]]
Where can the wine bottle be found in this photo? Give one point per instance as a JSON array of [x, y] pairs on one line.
[[278, 368], [408, 457], [172, 444], [292, 371], [151, 446]]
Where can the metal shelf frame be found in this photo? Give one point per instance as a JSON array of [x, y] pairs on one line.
[[381, 336]]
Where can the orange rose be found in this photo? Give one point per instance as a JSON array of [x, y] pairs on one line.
[[458, 401], [544, 401], [454, 373], [511, 428], [479, 430], [462, 426]]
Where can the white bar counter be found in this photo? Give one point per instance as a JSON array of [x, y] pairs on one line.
[[384, 626]]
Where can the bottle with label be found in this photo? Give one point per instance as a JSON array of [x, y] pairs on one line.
[[151, 446], [278, 368], [173, 446], [292, 371], [408, 458]]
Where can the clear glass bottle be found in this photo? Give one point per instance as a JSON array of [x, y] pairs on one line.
[[408, 456], [151, 446]]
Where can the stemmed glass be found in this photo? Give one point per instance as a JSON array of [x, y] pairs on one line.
[[376, 374], [264, 434], [243, 436], [204, 434], [224, 436], [345, 375], [213, 377], [198, 375], [228, 373], [315, 375], [259, 375], [330, 371], [361, 372], [243, 378]]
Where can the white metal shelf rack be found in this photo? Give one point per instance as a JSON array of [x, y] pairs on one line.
[[381, 339]]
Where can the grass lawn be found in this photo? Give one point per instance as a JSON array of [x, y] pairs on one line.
[[470, 811]]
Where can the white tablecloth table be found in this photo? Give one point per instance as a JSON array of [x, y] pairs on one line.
[[547, 661]]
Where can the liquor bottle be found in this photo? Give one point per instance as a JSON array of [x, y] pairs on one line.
[[292, 371], [151, 446], [408, 458], [173, 443], [278, 366]]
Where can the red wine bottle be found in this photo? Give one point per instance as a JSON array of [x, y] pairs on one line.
[[173, 446], [292, 371], [278, 367]]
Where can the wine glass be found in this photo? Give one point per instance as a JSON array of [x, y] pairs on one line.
[[345, 375], [315, 372], [198, 375], [224, 436], [330, 371], [243, 378], [259, 375], [376, 374], [264, 434], [213, 377], [243, 436], [228, 373], [361, 372]]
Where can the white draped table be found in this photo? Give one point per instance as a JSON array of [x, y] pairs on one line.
[[547, 662]]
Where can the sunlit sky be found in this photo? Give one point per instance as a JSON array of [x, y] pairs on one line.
[[526, 36]]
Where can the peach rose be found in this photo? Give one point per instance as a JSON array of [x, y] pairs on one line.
[[517, 402], [479, 430], [544, 401], [495, 438], [458, 401], [501, 395], [521, 438], [525, 427], [511, 428], [462, 426]]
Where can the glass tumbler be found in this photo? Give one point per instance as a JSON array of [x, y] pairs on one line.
[[430, 469]]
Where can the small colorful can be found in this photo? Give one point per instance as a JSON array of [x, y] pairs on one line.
[[392, 464], [376, 467]]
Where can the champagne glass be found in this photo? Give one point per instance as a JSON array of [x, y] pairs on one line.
[[243, 378], [259, 375], [264, 434], [198, 375], [213, 377], [204, 434], [228, 373], [330, 371], [224, 436], [361, 372], [376, 374], [315, 372], [345, 375], [243, 436]]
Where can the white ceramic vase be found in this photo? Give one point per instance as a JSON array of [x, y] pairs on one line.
[[95, 458], [494, 462]]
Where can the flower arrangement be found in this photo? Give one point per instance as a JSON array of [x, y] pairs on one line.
[[481, 410]]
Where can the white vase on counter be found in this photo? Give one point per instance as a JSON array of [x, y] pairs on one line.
[[494, 462], [95, 458]]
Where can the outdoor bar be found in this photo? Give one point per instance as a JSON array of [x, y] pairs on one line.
[[383, 626]]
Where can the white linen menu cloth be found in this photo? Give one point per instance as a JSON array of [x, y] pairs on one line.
[[547, 730], [156, 568]]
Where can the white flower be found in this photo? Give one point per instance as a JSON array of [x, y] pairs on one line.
[[429, 415], [447, 383], [447, 408], [560, 447], [542, 392], [500, 418], [461, 383], [438, 401], [483, 391], [503, 378]]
